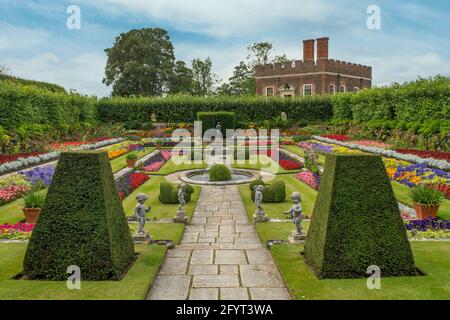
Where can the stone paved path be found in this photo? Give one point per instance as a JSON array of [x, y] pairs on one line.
[[220, 256]]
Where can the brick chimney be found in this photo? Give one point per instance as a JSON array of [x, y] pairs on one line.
[[308, 50], [322, 48]]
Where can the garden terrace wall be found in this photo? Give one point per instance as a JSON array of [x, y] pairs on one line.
[[185, 108]]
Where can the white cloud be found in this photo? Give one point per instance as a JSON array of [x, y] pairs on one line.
[[19, 38]]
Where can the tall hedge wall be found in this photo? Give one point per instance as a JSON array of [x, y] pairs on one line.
[[21, 104], [185, 108], [356, 222], [421, 100], [82, 223]]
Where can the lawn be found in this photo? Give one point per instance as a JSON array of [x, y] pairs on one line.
[[262, 162], [119, 163], [275, 210], [300, 152], [134, 286], [171, 167], [277, 230], [432, 258], [159, 210]]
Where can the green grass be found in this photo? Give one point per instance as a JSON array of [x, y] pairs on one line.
[[133, 286], [277, 230], [162, 231], [432, 258], [275, 210], [159, 210], [170, 167], [402, 194], [262, 162], [300, 152], [119, 163]]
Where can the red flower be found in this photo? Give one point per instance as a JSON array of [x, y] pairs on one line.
[[427, 154], [137, 179], [290, 165], [337, 137]]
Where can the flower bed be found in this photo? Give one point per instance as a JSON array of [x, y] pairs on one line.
[[4, 158], [418, 174], [311, 179], [18, 231], [428, 228], [371, 143], [11, 193], [40, 174], [157, 161], [113, 154], [337, 137], [130, 182], [427, 154]]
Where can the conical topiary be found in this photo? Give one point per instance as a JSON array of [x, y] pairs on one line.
[[356, 222], [82, 223]]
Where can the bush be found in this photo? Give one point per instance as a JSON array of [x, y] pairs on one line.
[[82, 223], [274, 193], [168, 193], [356, 222], [219, 172], [426, 196], [209, 120]]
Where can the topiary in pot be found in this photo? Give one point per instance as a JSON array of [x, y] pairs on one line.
[[427, 201], [33, 202], [132, 158], [219, 172]]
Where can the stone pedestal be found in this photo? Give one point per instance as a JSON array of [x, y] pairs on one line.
[[142, 238], [296, 237], [181, 217], [260, 216]]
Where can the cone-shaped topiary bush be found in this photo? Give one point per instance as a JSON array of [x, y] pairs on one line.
[[356, 222], [82, 223], [219, 172]]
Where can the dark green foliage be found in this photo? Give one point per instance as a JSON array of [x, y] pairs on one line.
[[219, 172], [168, 193], [272, 193], [210, 119], [356, 222], [82, 223], [39, 84]]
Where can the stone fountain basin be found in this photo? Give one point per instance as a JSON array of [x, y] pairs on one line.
[[201, 177]]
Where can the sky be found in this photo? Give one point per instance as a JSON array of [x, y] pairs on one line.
[[35, 42]]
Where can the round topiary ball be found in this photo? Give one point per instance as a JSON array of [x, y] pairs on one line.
[[219, 172]]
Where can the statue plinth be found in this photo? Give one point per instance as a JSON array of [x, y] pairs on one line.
[[296, 237], [181, 216], [260, 216], [143, 237]]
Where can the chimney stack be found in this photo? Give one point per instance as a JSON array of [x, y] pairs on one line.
[[322, 48], [308, 50]]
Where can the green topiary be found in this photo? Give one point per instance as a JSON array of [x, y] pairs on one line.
[[168, 193], [82, 223], [356, 222], [209, 120], [274, 193], [279, 191], [219, 172]]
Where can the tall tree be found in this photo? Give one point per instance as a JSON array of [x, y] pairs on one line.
[[141, 62], [4, 70], [204, 78], [243, 80], [182, 79]]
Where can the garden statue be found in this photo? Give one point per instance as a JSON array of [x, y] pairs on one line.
[[140, 212], [181, 213], [296, 214], [284, 116], [260, 215]]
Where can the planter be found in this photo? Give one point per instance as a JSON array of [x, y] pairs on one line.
[[31, 214], [131, 163], [424, 212]]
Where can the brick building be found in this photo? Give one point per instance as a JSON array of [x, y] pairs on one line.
[[311, 76]]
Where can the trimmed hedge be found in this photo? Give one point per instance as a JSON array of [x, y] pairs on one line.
[[168, 193], [25, 105], [43, 85], [219, 172], [356, 222], [209, 121], [274, 193], [82, 223], [181, 108]]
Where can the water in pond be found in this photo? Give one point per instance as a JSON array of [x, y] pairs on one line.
[[204, 176]]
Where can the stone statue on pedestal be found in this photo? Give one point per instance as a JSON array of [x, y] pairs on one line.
[[260, 215], [181, 213], [140, 212], [296, 214]]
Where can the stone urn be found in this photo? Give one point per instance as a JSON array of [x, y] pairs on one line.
[[131, 163], [31, 214], [426, 211]]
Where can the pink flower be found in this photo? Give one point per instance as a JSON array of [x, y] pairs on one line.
[[311, 179]]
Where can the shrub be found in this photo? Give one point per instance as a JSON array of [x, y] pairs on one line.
[[356, 222], [168, 193], [426, 196], [132, 156], [209, 120], [219, 172], [274, 193], [82, 223]]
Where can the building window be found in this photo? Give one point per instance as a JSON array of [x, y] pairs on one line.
[[332, 90], [269, 91], [355, 89], [307, 89], [342, 88]]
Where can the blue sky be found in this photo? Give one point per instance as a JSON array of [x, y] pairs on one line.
[[35, 43]]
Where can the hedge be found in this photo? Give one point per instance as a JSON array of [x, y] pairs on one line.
[[219, 172], [43, 85], [185, 108], [168, 193], [274, 193], [82, 223], [30, 105], [356, 222], [209, 121]]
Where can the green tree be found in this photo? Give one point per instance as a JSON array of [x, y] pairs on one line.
[[4, 70], [204, 78], [182, 79], [243, 80], [141, 62]]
